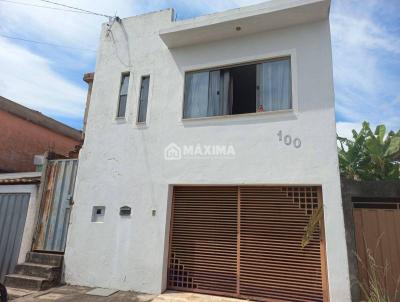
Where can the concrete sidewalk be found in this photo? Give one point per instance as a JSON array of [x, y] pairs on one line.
[[78, 293]]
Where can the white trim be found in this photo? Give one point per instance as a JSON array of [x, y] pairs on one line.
[[242, 116]]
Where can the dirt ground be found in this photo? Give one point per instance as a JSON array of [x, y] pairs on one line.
[[78, 293]]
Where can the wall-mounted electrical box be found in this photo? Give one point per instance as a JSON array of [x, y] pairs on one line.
[[125, 211], [98, 214]]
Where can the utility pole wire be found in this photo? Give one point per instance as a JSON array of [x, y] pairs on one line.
[[76, 8], [43, 6], [44, 43]]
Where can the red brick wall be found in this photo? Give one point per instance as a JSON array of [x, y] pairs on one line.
[[20, 140]]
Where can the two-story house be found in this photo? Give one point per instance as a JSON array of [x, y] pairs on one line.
[[210, 144]]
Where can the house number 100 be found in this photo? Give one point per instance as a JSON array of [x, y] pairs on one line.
[[287, 139]]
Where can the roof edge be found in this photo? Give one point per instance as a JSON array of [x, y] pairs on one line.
[[39, 119]]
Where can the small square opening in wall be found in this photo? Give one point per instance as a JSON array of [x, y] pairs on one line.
[[98, 213], [125, 211]]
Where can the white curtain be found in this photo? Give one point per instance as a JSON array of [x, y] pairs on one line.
[[196, 94], [274, 85], [207, 94], [226, 93], [214, 96], [219, 101]]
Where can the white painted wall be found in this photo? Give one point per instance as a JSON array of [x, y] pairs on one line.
[[33, 209], [122, 163]]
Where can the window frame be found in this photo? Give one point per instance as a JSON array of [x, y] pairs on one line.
[[122, 76], [148, 100], [225, 64]]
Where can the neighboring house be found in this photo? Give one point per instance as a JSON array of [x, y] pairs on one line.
[[210, 142], [25, 133]]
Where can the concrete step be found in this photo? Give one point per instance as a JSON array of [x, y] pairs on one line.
[[27, 282], [48, 272], [15, 293], [45, 258]]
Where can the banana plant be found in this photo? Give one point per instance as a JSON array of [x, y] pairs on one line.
[[370, 155]]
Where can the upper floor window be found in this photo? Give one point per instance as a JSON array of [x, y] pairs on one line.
[[143, 99], [247, 88], [123, 95]]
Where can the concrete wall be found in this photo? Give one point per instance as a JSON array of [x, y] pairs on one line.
[[21, 140], [31, 216], [123, 163]]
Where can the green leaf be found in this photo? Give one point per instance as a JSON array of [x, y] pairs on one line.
[[394, 146], [373, 147], [380, 132], [370, 155]]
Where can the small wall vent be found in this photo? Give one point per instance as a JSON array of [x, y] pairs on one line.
[[98, 214], [125, 211]]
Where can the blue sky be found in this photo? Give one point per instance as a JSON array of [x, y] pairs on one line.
[[365, 40]]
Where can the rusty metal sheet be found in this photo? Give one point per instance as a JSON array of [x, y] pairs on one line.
[[56, 202]]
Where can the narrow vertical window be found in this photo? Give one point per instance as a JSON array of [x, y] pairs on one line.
[[123, 95], [143, 99]]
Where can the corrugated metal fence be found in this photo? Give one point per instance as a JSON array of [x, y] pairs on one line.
[[56, 203], [13, 210]]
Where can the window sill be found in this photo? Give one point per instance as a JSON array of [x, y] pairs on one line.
[[142, 125], [120, 120], [284, 112]]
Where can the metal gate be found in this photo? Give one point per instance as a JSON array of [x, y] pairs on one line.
[[246, 242], [13, 211], [55, 206], [377, 227]]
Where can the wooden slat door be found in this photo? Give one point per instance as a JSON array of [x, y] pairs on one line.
[[203, 240], [272, 263], [379, 231], [246, 242]]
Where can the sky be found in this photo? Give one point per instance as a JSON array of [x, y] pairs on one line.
[[365, 42]]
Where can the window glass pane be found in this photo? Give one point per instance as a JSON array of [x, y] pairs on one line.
[[122, 106], [196, 94], [239, 89], [123, 92], [143, 100], [124, 85], [274, 84]]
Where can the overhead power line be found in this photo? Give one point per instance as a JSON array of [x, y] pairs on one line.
[[43, 6], [45, 43], [77, 8]]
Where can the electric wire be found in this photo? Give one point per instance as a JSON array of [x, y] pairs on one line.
[[76, 8], [45, 43], [43, 6]]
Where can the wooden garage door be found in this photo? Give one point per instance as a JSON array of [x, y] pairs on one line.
[[246, 242]]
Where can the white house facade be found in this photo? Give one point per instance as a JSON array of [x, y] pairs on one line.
[[210, 142]]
